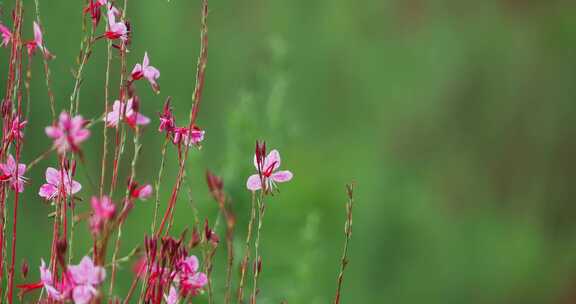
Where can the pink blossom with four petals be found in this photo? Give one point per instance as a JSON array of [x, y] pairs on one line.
[[116, 30], [145, 70], [269, 174], [56, 181], [187, 136], [130, 111], [13, 174], [6, 35], [189, 279], [68, 133], [86, 277]]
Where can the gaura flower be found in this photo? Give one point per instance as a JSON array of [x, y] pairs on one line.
[[189, 279], [267, 172], [129, 110], [86, 277], [140, 192], [6, 35], [187, 136], [37, 43], [68, 133], [9, 174], [116, 30], [58, 181], [103, 210], [145, 70], [57, 291]]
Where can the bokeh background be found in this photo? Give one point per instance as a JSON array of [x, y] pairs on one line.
[[455, 118]]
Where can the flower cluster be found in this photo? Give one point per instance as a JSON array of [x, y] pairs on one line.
[[78, 283]]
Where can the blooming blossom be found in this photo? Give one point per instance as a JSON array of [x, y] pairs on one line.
[[116, 30], [129, 110], [58, 181], [37, 43], [147, 71], [267, 172], [102, 210], [68, 133], [6, 35], [187, 136], [188, 278], [13, 174], [86, 277], [56, 290], [142, 192], [48, 283]]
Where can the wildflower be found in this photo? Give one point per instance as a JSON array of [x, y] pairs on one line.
[[116, 30], [16, 129], [129, 111], [6, 35], [86, 277], [13, 174], [267, 171], [54, 179], [167, 122], [187, 136], [57, 291], [37, 43], [147, 71], [103, 210], [188, 278], [68, 133], [142, 192], [172, 297]]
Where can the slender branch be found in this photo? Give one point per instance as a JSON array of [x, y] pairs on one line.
[[348, 236]]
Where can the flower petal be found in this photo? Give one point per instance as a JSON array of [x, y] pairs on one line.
[[253, 183], [281, 176], [52, 176], [272, 158]]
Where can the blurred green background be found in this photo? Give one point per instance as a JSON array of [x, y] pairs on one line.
[[455, 118]]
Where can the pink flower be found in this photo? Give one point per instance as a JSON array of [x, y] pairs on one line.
[[48, 284], [68, 133], [6, 35], [130, 111], [86, 277], [116, 30], [56, 181], [142, 192], [37, 43], [267, 173], [102, 211], [9, 174], [186, 136], [172, 297], [188, 278], [147, 71]]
